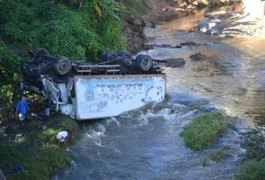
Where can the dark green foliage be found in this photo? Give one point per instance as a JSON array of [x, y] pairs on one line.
[[205, 130], [78, 29], [254, 143], [35, 155], [254, 166], [252, 170], [60, 27]]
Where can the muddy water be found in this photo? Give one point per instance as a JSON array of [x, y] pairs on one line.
[[231, 74], [146, 144]]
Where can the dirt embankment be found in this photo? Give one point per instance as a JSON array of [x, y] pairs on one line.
[[134, 27]]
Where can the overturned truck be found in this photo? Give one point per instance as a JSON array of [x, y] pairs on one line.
[[116, 84]]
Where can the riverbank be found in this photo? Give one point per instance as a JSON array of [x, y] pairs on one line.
[[31, 150]]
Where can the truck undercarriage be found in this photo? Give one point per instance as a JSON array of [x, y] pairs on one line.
[[57, 78]]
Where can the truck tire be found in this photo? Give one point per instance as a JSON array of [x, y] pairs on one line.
[[62, 66], [144, 62], [125, 58], [108, 56], [40, 52]]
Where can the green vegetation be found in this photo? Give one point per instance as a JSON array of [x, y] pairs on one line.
[[254, 165], [252, 170], [218, 155], [136, 8], [64, 28], [35, 155], [205, 130], [77, 29]]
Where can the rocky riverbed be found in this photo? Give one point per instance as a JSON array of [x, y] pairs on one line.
[[230, 24]]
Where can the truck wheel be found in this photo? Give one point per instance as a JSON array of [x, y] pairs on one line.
[[62, 66], [108, 56], [144, 62], [40, 52], [126, 58]]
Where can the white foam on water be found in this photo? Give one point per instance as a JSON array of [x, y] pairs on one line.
[[167, 114], [113, 119], [98, 142], [143, 120]]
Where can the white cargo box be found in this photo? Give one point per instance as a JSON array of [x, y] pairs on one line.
[[103, 96]]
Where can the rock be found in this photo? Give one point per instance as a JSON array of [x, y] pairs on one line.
[[190, 7], [204, 23], [215, 32], [197, 57], [211, 25], [195, 3], [175, 62], [183, 5]]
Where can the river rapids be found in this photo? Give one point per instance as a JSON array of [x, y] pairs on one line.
[[146, 144]]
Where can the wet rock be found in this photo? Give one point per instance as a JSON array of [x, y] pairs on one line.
[[197, 57], [151, 46], [175, 62], [215, 31], [183, 5], [204, 25]]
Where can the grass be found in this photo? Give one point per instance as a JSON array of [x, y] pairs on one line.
[[36, 155], [205, 130], [218, 155]]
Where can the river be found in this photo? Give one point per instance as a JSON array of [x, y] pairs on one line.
[[146, 144]]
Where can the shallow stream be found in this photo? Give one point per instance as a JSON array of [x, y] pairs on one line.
[[146, 144]]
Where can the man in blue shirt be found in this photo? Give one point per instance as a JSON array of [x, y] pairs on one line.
[[22, 108]]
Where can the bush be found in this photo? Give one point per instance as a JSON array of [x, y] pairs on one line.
[[204, 130], [252, 170]]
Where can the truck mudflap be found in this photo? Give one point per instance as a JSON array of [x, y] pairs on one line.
[[110, 95]]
